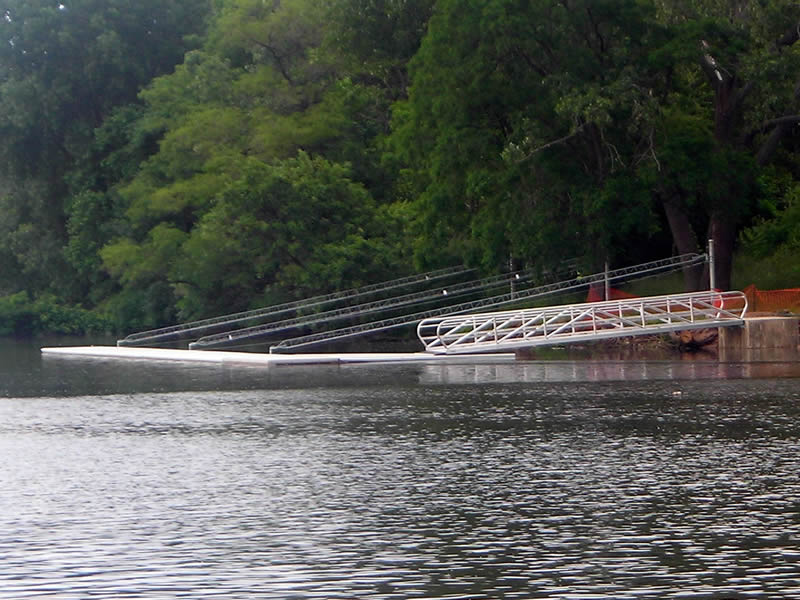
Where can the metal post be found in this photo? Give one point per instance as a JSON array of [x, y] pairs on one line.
[[511, 276], [711, 278], [607, 285]]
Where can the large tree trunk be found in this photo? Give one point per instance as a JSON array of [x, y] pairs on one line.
[[685, 240], [729, 97]]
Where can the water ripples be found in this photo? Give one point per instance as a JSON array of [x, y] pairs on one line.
[[578, 490]]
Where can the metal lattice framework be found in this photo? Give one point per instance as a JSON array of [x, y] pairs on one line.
[[175, 332], [569, 285], [508, 330], [385, 304]]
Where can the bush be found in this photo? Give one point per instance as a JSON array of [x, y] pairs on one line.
[[780, 270], [22, 317], [17, 316]]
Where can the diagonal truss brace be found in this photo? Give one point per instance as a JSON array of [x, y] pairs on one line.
[[506, 330]]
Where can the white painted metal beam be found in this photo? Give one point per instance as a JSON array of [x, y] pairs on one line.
[[508, 330]]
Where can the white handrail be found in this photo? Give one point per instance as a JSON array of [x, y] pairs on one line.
[[502, 331]]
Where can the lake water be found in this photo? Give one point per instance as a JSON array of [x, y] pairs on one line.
[[563, 479]]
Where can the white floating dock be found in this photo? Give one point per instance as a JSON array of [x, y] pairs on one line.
[[251, 358]]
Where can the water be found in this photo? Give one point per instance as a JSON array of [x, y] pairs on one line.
[[610, 479]]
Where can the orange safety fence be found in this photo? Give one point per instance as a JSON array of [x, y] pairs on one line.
[[597, 293], [787, 300], [757, 300], [772, 300]]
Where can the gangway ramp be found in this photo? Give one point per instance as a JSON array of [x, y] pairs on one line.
[[526, 328], [393, 303], [195, 329], [626, 273]]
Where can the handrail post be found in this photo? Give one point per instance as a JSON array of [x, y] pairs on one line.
[[712, 283]]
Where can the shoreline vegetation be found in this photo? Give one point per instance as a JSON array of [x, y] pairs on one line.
[[23, 317], [162, 163]]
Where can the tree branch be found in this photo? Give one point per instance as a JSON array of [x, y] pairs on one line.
[[275, 56], [710, 67], [769, 147], [767, 125], [789, 38], [780, 126], [531, 63], [744, 91], [596, 28], [548, 51], [786, 120], [560, 140]]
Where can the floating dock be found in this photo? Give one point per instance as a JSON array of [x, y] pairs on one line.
[[252, 358]]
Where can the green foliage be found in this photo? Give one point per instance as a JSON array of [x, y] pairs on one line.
[[295, 229], [64, 69], [778, 270], [773, 242], [375, 39], [68, 66], [17, 316], [138, 264], [139, 308], [161, 162], [22, 317], [542, 130], [524, 120], [56, 318], [237, 207]]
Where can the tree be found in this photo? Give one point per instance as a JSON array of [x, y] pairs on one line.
[[733, 67], [525, 122], [375, 40], [64, 68], [543, 130], [298, 228], [259, 185]]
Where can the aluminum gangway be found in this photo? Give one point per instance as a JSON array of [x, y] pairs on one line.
[[555, 325], [194, 329], [582, 282], [435, 295]]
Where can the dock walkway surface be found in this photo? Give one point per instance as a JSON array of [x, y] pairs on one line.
[[252, 358]]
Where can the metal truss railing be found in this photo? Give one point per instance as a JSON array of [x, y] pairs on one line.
[[448, 293], [508, 330], [513, 297], [201, 327]]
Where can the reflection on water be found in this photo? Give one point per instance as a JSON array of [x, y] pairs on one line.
[[24, 372], [604, 370], [523, 480]]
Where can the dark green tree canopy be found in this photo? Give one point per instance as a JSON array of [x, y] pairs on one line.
[[522, 114], [577, 128], [170, 160], [65, 67]]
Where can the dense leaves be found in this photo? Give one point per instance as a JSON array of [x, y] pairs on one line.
[[541, 129], [65, 68], [525, 122], [162, 161]]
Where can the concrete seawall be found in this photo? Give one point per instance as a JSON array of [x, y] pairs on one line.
[[761, 339]]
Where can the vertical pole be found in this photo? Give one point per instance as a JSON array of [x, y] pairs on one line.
[[607, 285], [711, 278], [511, 276]]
